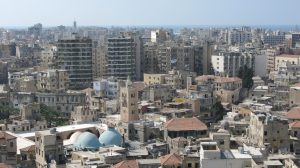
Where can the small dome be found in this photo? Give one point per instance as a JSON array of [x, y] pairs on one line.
[[74, 137], [87, 140], [110, 137]]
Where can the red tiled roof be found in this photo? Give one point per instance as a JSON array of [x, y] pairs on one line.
[[171, 160], [204, 77], [127, 164], [226, 79], [294, 113], [6, 136], [28, 149], [3, 165], [185, 124], [296, 85]]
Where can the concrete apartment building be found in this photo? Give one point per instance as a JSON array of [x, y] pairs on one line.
[[268, 131], [295, 40], [106, 87], [283, 59], [212, 156], [3, 72], [273, 40], [229, 63], [271, 54], [238, 36], [99, 61], [122, 57], [75, 56], [47, 55], [161, 58], [52, 80]]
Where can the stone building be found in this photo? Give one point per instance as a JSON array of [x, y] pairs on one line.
[[184, 127], [128, 102], [64, 102], [49, 146], [268, 131], [52, 80]]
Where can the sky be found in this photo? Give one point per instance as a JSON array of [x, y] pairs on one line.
[[149, 12]]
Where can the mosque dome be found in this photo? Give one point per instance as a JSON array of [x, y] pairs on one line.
[[74, 137], [110, 137], [87, 140]]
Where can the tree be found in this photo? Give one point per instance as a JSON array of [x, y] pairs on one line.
[[6, 111], [211, 70], [53, 117], [218, 110], [246, 74]]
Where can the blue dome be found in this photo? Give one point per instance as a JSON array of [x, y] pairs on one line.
[[110, 137], [87, 140]]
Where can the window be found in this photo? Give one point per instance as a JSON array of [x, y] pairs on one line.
[[11, 144], [265, 133], [189, 164]]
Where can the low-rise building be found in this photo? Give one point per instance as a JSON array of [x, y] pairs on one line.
[[184, 127]]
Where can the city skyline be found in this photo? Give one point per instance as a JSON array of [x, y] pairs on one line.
[[154, 13]]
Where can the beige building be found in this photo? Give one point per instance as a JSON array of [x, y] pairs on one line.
[[281, 60], [177, 79], [99, 62], [47, 55], [150, 79], [49, 146], [294, 95], [271, 53], [269, 131], [52, 80], [30, 111], [228, 89], [128, 102], [8, 148], [84, 114]]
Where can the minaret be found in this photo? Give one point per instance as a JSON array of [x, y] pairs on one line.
[[128, 102]]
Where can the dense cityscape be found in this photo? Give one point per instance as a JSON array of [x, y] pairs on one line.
[[75, 96]]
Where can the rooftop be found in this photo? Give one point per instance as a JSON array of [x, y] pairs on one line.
[[171, 160], [185, 124], [294, 113]]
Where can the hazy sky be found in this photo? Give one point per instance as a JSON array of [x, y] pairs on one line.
[[149, 12]]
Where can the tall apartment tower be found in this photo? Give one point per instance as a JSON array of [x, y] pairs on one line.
[[75, 56], [128, 102], [206, 62], [122, 57], [99, 61]]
